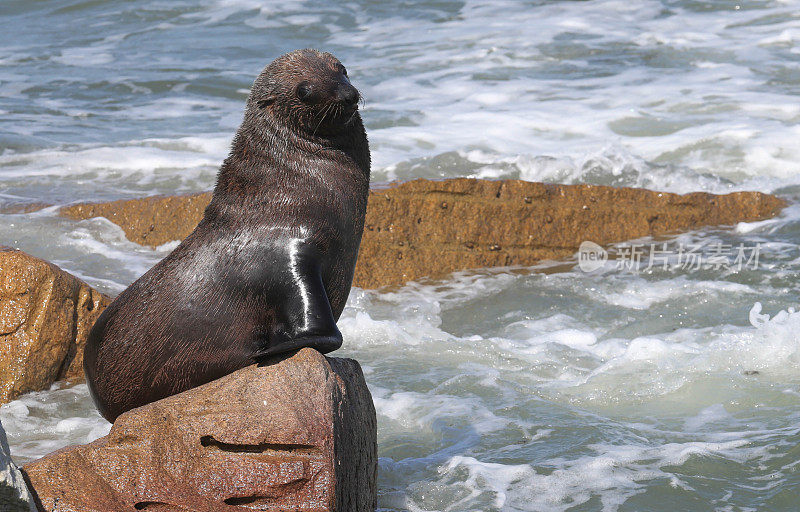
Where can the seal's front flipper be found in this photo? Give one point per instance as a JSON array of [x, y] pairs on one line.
[[304, 316]]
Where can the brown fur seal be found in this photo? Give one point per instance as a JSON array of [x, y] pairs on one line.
[[269, 267]]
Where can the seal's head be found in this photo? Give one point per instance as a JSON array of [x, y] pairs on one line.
[[307, 91]]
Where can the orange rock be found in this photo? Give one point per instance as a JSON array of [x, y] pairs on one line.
[[431, 228], [45, 316], [150, 221], [299, 434]]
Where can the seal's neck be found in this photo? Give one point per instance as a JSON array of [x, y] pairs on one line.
[[267, 156], [351, 142]]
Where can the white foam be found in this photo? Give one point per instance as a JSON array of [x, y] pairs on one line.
[[711, 414], [787, 216], [102, 244], [639, 293], [472, 82], [611, 473], [132, 169], [565, 118], [91, 56], [41, 422]]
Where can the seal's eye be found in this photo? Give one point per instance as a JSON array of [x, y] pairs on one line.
[[304, 90], [343, 70]]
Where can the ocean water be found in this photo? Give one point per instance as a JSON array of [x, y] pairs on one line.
[[657, 387]]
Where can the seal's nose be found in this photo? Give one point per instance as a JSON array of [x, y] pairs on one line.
[[347, 94]]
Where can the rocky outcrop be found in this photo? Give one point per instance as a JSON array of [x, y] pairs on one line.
[[45, 317], [149, 221], [14, 495], [431, 228], [298, 435]]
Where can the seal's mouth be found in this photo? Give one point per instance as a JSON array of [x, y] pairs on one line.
[[332, 116], [348, 115]]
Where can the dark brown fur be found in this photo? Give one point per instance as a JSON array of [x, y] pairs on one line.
[[269, 268]]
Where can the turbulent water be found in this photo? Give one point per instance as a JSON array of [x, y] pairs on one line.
[[673, 387]]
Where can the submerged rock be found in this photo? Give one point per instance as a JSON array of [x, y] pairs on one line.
[[431, 228], [299, 434], [14, 495], [45, 317]]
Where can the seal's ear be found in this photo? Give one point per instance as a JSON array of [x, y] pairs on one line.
[[266, 101]]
